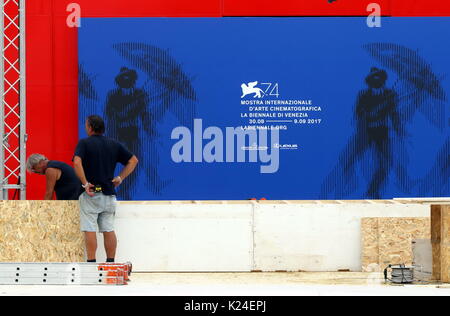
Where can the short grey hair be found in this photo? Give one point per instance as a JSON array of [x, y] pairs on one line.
[[33, 160]]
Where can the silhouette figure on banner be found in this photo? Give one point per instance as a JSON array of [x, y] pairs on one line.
[[377, 119], [381, 115], [167, 93], [127, 113]]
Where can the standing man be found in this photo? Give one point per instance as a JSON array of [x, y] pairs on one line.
[[95, 161], [61, 178]]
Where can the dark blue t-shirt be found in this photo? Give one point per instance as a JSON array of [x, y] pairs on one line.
[[100, 156], [68, 187]]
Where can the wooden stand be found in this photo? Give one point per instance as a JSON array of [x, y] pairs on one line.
[[440, 239]]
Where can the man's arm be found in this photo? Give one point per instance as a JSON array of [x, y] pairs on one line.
[[126, 171], [79, 171], [51, 175]]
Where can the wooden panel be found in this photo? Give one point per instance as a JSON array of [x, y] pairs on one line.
[[440, 230], [445, 244], [396, 237], [370, 244], [40, 231], [445, 218], [389, 240], [435, 223], [436, 261], [436, 240], [445, 263]]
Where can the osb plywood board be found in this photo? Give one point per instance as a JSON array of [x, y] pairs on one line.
[[445, 234], [370, 241], [437, 275], [440, 221], [445, 244], [40, 231], [445, 263], [389, 240], [436, 223]]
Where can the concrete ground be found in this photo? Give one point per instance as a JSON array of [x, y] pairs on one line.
[[238, 284]]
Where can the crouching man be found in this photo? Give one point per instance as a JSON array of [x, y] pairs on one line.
[[95, 161], [60, 177]]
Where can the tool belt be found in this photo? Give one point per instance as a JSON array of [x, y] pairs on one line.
[[97, 189]]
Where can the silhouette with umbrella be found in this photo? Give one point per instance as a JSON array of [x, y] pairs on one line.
[[376, 116], [172, 88], [135, 112], [419, 88]]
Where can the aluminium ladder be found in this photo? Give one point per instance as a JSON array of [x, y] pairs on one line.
[[64, 273]]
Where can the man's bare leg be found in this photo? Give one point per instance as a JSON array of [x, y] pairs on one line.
[[91, 245], [110, 241]]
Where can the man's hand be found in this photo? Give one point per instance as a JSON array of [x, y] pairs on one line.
[[129, 168], [89, 189], [117, 181], [78, 166]]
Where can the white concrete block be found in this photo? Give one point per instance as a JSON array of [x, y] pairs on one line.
[[184, 237], [249, 236], [314, 237]]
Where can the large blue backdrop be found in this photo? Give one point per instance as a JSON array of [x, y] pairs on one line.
[[281, 108]]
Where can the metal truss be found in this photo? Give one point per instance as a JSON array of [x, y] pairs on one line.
[[12, 100]]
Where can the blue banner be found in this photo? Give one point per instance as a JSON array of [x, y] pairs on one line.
[[276, 108]]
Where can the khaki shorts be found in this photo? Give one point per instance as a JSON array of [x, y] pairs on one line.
[[97, 213]]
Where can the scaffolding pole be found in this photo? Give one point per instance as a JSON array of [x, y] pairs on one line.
[[13, 100], [22, 102], [2, 106]]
